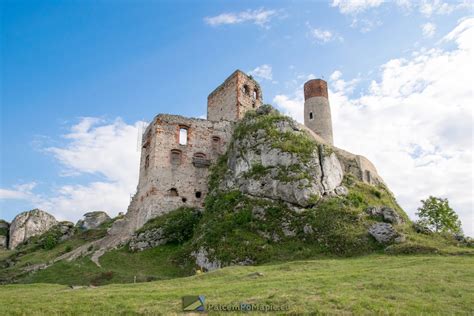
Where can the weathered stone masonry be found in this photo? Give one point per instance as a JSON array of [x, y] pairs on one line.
[[238, 94], [177, 151], [176, 155]]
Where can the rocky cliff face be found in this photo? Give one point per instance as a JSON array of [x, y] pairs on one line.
[[4, 228], [273, 157], [92, 220], [29, 224]]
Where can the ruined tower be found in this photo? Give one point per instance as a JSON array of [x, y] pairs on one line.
[[317, 113], [229, 101]]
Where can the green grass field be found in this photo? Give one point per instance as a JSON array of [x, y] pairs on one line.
[[382, 284]]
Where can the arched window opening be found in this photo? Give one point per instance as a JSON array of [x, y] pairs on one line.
[[200, 155], [173, 192], [200, 160], [175, 156], [255, 94], [310, 115], [183, 136]]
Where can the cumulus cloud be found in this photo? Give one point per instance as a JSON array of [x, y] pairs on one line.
[[428, 29], [259, 17], [338, 84], [263, 71], [96, 147], [107, 150], [415, 123]]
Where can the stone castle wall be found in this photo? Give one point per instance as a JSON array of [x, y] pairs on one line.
[[176, 155], [238, 94], [177, 151]]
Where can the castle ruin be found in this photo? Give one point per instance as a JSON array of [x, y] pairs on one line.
[[177, 152]]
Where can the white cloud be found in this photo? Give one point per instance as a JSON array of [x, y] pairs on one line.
[[355, 6], [336, 75], [428, 29], [323, 36], [415, 123], [263, 71], [19, 192], [425, 7], [430, 7], [291, 105], [259, 17], [95, 147], [338, 84], [70, 202]]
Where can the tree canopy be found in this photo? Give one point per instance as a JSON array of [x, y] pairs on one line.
[[436, 214]]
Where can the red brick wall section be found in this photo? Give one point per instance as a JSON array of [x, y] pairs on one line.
[[315, 88]]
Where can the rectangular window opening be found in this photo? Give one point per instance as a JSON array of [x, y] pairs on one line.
[[183, 136]]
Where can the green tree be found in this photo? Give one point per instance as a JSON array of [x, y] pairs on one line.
[[438, 215]]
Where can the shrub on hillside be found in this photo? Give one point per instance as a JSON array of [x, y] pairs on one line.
[[178, 225]]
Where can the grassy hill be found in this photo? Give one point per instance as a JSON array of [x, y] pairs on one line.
[[421, 284], [118, 266], [315, 256]]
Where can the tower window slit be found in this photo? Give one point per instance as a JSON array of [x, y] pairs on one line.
[[310, 115]]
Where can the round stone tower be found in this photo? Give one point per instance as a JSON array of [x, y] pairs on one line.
[[317, 113]]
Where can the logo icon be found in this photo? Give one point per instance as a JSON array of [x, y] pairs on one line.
[[193, 303]]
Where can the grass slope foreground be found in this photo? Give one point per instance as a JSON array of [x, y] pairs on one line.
[[275, 197], [365, 285]]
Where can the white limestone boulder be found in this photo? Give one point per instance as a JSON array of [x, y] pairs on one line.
[[28, 224], [92, 220]]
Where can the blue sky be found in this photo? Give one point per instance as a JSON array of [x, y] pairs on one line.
[[78, 77]]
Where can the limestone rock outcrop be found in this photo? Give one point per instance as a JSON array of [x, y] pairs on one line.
[[147, 239], [66, 230], [384, 233], [92, 220], [203, 261], [28, 224], [387, 214], [262, 169], [4, 227]]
